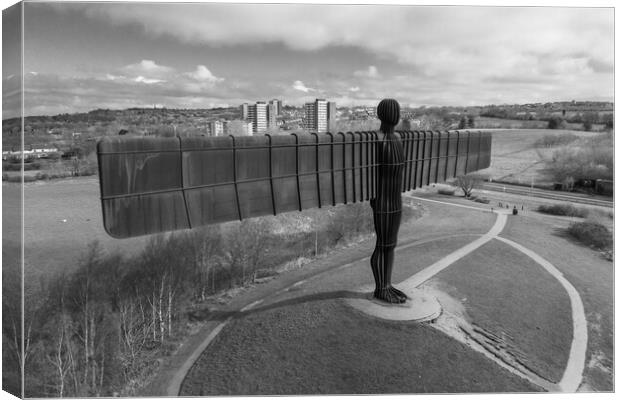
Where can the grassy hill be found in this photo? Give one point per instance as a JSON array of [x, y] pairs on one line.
[[521, 156]]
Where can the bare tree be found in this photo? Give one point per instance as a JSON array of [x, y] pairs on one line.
[[61, 356], [467, 183], [203, 245], [246, 250]]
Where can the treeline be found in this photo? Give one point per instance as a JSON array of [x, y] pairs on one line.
[[551, 140], [588, 158], [60, 128], [587, 120], [100, 330], [554, 118]]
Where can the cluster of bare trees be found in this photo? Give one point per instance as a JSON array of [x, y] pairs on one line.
[[587, 158], [99, 330]]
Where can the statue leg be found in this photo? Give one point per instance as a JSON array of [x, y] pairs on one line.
[[382, 259]]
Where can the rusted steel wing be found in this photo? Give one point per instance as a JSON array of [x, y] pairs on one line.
[[150, 185]]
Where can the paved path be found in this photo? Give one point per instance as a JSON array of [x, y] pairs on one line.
[[573, 373], [572, 376]]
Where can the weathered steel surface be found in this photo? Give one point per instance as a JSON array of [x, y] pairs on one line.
[[151, 185]]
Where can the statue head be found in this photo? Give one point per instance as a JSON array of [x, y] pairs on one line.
[[388, 112]]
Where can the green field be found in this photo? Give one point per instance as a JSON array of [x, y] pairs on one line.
[[502, 123], [516, 159], [61, 218]]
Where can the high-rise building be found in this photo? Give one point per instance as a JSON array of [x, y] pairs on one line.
[[244, 111], [247, 127], [257, 114], [238, 128], [271, 114], [331, 110], [316, 116], [278, 106], [215, 128], [309, 116]]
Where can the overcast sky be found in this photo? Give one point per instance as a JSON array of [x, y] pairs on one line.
[[81, 56]]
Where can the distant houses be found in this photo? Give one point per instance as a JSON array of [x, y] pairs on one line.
[[32, 153], [226, 127]]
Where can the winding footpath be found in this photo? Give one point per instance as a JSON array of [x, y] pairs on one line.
[[571, 379], [573, 373]]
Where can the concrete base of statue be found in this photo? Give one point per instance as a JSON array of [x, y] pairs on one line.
[[421, 306]]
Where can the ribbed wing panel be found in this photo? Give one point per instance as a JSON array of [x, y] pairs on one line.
[[151, 185]]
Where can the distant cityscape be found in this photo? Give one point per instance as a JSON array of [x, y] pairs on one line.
[[262, 117], [318, 116], [49, 134]]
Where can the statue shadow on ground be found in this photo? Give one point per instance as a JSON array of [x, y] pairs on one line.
[[221, 315]]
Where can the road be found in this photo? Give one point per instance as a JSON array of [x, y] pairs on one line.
[[548, 194]]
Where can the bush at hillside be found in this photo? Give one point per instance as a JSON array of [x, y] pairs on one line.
[[551, 140], [556, 123], [589, 158], [563, 209], [592, 234]]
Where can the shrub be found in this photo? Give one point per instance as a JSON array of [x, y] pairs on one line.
[[589, 119], [550, 140], [18, 178], [349, 222], [591, 234], [563, 209], [588, 158], [608, 120], [10, 166], [463, 122], [446, 191], [471, 121], [17, 166], [556, 123]]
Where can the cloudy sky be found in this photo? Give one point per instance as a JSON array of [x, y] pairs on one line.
[[81, 56]]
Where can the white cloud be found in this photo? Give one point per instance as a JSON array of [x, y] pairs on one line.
[[299, 85], [111, 77], [425, 55], [310, 27], [444, 44], [149, 69], [370, 72], [203, 74], [142, 79]]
